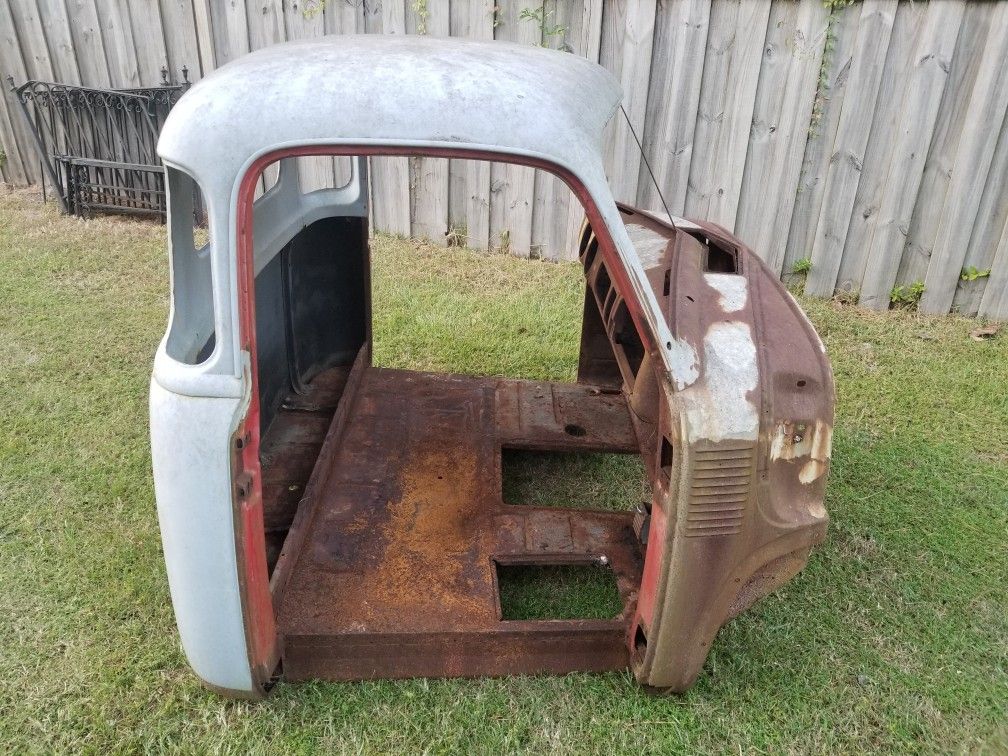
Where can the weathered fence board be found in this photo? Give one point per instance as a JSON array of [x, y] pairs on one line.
[[20, 166], [625, 49], [673, 100], [948, 128], [781, 120], [469, 180], [724, 112], [429, 176], [148, 38], [885, 122], [33, 46], [390, 190], [991, 218], [818, 160], [56, 28], [837, 193], [583, 22], [117, 37], [871, 139], [909, 151], [230, 29], [994, 303], [969, 173], [87, 44], [512, 186], [178, 18]]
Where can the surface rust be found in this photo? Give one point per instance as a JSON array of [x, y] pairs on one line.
[[389, 566], [397, 573]]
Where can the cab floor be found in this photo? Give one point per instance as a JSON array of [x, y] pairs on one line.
[[391, 565]]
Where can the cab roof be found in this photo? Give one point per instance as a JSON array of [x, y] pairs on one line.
[[393, 90]]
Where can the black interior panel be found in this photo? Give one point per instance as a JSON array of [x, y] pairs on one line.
[[311, 308]]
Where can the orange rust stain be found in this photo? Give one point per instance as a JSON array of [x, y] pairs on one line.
[[422, 569]]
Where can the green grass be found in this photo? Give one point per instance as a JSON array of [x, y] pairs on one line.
[[604, 481], [558, 592], [895, 638]]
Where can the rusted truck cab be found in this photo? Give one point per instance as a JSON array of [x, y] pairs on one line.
[[323, 518]]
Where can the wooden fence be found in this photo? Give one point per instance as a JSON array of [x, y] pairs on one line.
[[865, 145]]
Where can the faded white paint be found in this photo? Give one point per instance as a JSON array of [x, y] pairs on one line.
[[190, 439], [648, 244], [406, 92], [733, 288], [717, 406]]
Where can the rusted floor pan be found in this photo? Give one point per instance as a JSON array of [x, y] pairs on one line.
[[396, 574]]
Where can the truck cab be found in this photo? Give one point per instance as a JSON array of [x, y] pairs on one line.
[[324, 518]]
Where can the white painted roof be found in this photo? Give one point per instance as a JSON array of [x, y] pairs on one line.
[[392, 90], [406, 91]]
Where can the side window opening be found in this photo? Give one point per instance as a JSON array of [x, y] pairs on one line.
[[191, 337]]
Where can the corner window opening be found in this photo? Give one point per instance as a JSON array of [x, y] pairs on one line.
[[191, 336]]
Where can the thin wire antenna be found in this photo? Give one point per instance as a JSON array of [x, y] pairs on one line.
[[647, 165]]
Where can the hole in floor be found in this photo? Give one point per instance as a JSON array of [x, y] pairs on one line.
[[572, 429], [557, 592], [573, 480]]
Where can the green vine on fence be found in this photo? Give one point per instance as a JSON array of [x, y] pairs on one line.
[[835, 8], [972, 273], [548, 30], [312, 8], [422, 13], [906, 297]]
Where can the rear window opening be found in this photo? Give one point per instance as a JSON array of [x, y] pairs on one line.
[[557, 592], [191, 336], [573, 480]]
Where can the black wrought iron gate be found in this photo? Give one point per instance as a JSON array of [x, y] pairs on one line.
[[98, 147]]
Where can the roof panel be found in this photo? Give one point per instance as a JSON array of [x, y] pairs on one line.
[[395, 89]]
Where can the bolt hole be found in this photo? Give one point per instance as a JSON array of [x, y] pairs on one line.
[[239, 443], [575, 430], [668, 344], [801, 384], [640, 643]]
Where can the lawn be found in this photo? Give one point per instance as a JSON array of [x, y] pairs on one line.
[[895, 637]]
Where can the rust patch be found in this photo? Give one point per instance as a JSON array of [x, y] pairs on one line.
[[397, 573], [797, 440]]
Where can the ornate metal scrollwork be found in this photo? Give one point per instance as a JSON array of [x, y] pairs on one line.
[[98, 146]]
